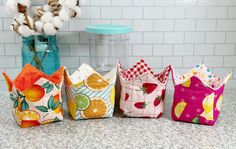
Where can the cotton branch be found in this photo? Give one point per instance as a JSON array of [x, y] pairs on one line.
[[23, 9]]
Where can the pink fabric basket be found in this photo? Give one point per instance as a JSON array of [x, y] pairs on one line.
[[198, 95], [143, 91]]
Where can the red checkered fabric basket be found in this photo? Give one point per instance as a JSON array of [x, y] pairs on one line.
[[140, 68]]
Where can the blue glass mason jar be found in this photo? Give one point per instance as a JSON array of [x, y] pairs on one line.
[[42, 52]]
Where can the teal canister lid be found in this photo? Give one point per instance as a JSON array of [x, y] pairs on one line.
[[108, 29]]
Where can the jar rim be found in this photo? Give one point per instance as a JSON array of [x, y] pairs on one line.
[[36, 38], [108, 29]]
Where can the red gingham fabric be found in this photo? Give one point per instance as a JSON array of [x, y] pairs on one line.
[[163, 76], [141, 67]]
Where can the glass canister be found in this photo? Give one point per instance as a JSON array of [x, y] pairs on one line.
[[109, 44], [42, 52]]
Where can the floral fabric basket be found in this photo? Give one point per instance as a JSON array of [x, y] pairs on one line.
[[143, 91], [198, 95], [89, 94], [36, 97]]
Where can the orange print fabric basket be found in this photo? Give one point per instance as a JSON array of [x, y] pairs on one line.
[[36, 97], [89, 94]]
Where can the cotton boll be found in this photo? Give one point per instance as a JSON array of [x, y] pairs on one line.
[[46, 8], [56, 21], [49, 29], [37, 11], [11, 6], [72, 13], [47, 17], [39, 26], [78, 11], [70, 3], [20, 19], [64, 14], [25, 2], [24, 30]]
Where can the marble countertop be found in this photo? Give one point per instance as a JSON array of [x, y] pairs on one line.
[[118, 132]]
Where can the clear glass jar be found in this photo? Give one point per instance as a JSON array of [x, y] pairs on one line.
[[42, 52], [109, 44]]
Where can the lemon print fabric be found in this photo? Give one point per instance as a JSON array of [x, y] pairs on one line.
[[179, 108], [187, 83], [203, 93], [91, 95], [208, 106], [219, 102]]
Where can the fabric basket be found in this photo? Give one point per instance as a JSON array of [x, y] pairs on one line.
[[143, 91], [36, 97], [198, 95], [89, 94]]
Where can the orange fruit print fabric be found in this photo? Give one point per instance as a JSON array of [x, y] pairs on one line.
[[90, 94], [36, 97]]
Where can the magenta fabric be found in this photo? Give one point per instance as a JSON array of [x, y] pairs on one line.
[[194, 96], [198, 95]]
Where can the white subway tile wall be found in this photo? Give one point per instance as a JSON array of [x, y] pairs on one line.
[[178, 32]]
